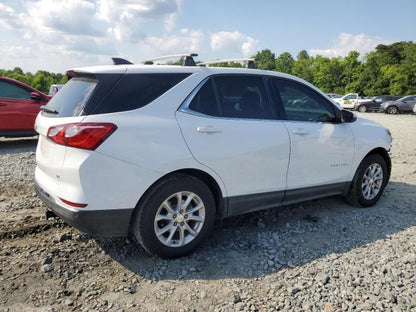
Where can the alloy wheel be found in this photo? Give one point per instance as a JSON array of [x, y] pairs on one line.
[[392, 110], [179, 219], [362, 109], [372, 181]]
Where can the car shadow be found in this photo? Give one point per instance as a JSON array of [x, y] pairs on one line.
[[262, 243], [18, 145]]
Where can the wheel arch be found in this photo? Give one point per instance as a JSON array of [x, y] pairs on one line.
[[383, 153], [220, 202], [211, 183]]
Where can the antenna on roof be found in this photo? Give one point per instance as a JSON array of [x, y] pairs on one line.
[[188, 59], [120, 61], [249, 62]]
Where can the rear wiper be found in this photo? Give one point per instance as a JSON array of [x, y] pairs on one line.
[[47, 109]]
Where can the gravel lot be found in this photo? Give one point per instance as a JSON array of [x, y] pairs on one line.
[[322, 255]]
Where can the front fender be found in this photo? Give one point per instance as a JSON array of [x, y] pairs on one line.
[[375, 137]]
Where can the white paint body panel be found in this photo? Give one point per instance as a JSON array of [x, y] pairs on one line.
[[251, 156], [321, 153], [368, 135]]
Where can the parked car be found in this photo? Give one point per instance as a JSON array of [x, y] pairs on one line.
[[53, 89], [334, 95], [349, 100], [162, 151], [19, 106], [402, 105], [374, 103]]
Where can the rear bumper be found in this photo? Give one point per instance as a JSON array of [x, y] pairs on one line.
[[108, 223]]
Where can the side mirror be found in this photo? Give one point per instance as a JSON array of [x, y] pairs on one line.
[[347, 116], [35, 96]]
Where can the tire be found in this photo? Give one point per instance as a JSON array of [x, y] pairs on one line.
[[362, 109], [369, 182], [180, 230], [392, 110]]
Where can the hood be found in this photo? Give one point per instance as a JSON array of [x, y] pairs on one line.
[[369, 122]]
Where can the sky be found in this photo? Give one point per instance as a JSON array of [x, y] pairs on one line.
[[58, 35]]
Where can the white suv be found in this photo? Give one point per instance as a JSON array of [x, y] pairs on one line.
[[162, 151]]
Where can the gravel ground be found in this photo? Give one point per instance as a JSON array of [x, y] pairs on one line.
[[322, 255]]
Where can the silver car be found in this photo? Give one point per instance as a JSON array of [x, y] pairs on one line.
[[403, 105]]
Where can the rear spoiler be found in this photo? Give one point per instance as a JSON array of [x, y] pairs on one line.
[[72, 73]]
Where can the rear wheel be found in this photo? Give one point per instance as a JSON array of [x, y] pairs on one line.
[[392, 110], [362, 109], [174, 217], [369, 182]]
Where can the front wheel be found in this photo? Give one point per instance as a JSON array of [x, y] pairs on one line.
[[369, 181], [362, 109], [392, 110], [174, 217]]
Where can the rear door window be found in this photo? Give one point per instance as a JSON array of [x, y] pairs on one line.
[[205, 101], [137, 90], [233, 96]]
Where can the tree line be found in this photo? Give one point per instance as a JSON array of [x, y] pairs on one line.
[[390, 69], [41, 80]]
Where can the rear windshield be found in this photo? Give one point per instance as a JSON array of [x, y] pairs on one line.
[[70, 101], [110, 93]]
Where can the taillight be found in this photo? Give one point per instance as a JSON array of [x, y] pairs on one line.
[[81, 135]]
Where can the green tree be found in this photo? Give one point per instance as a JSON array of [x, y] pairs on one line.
[[327, 74], [321, 73], [396, 77], [302, 68], [227, 64], [284, 63], [409, 67], [42, 81], [372, 79], [18, 70], [265, 59], [390, 69], [352, 68]]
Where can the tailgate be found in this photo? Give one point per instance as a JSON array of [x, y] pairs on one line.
[[49, 155]]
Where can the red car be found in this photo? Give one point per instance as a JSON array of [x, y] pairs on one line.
[[19, 106]]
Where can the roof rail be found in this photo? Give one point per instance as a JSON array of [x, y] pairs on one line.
[[248, 61], [188, 59], [120, 61]]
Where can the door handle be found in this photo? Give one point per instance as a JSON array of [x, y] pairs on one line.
[[300, 132], [208, 129]]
